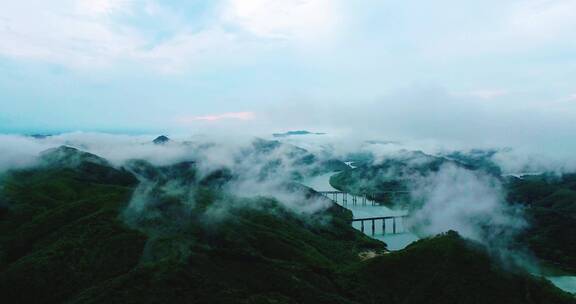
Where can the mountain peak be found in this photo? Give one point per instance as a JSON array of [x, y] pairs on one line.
[[70, 157], [161, 140], [298, 132]]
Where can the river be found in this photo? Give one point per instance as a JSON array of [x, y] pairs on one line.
[[403, 239], [395, 241]]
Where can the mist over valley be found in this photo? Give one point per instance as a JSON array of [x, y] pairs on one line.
[[287, 151]]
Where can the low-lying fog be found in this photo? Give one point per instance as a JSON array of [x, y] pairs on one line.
[[453, 198]]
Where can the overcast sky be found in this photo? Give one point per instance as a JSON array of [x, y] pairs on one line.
[[478, 71]]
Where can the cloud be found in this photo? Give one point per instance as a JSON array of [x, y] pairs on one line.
[[488, 94], [473, 204], [218, 117], [544, 20], [99, 7], [230, 48], [509, 29], [430, 113], [521, 160], [73, 33], [187, 49], [96, 33], [19, 152], [99, 33], [285, 19]]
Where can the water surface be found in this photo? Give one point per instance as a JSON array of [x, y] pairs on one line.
[[394, 241], [401, 240], [566, 283]]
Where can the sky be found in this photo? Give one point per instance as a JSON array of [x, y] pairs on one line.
[[471, 72]]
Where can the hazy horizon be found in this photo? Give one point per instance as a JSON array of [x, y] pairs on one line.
[[481, 73]]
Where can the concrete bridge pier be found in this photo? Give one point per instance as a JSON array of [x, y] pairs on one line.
[[383, 226], [374, 220]]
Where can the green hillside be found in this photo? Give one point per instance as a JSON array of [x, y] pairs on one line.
[[551, 210], [70, 234]]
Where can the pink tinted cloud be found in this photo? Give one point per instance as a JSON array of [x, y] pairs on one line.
[[217, 117]]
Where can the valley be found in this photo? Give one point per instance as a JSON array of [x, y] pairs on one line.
[[77, 228]]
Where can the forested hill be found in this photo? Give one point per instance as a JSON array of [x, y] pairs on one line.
[[81, 232]]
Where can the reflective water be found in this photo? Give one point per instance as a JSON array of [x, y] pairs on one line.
[[401, 240], [566, 283], [395, 241]]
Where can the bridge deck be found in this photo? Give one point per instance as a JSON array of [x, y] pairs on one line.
[[374, 199], [383, 220], [379, 218], [381, 192], [365, 199]]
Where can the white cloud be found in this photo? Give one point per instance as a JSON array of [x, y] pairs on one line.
[[433, 113], [472, 204], [99, 7], [283, 19], [501, 28], [186, 49], [486, 94], [217, 117], [544, 19], [74, 33], [19, 152], [94, 33]]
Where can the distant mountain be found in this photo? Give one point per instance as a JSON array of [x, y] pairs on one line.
[[161, 140], [390, 174], [276, 157], [293, 133], [66, 156], [382, 142], [550, 202], [39, 136], [87, 166], [476, 158]]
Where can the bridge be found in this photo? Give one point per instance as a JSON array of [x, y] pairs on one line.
[[382, 224], [364, 199], [383, 220]]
